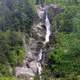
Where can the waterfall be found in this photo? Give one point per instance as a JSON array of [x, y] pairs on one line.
[[39, 67], [48, 32], [32, 64], [40, 55]]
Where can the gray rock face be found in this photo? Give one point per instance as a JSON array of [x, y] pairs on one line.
[[31, 64], [38, 32], [36, 48], [24, 71]]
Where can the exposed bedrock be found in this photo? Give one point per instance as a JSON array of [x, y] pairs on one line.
[[38, 45]]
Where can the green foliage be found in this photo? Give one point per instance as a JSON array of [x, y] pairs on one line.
[[66, 54], [19, 15], [66, 21], [64, 61], [11, 50], [5, 69], [7, 78]]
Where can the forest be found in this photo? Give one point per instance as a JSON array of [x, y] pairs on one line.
[[17, 17]]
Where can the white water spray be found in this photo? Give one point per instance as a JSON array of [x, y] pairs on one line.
[[48, 32], [40, 55], [33, 63], [39, 67]]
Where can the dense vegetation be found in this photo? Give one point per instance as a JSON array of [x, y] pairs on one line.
[[11, 52], [16, 16], [19, 15], [64, 61]]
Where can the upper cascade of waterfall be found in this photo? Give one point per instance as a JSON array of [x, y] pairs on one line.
[[40, 11], [47, 25]]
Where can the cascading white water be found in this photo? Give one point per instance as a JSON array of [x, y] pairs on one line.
[[48, 32], [41, 12], [47, 25], [39, 67], [33, 63], [40, 55]]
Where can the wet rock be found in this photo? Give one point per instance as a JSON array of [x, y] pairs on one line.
[[30, 56], [33, 66], [38, 31], [38, 45], [24, 71]]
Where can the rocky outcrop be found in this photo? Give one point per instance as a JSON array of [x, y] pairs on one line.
[[38, 45], [33, 58]]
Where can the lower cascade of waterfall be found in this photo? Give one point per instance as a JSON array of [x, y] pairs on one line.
[[40, 55]]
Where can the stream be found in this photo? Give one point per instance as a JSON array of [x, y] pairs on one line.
[[48, 32], [32, 64]]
